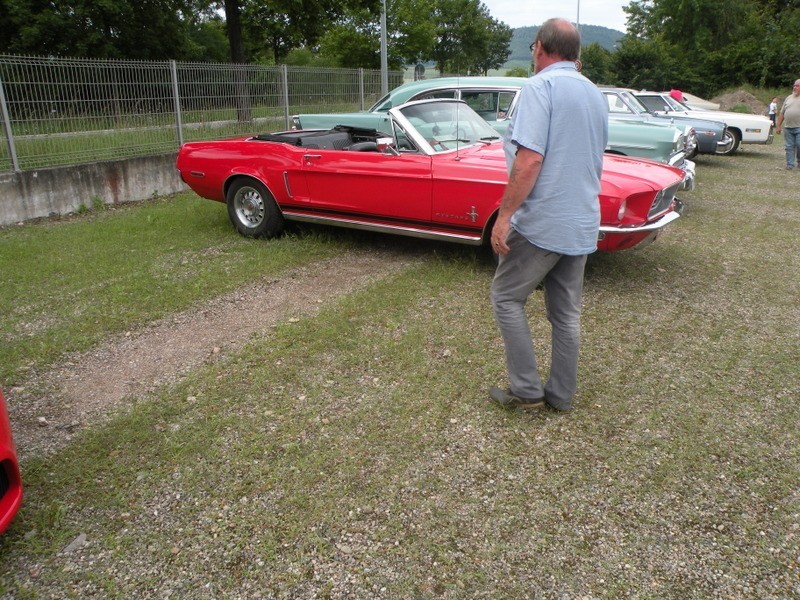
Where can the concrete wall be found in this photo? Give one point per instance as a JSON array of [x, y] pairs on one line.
[[62, 190]]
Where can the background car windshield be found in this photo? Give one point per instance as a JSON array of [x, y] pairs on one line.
[[617, 106], [673, 104], [654, 103], [442, 123], [635, 102], [382, 105]]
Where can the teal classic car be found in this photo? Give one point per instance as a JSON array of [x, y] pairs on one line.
[[495, 98]]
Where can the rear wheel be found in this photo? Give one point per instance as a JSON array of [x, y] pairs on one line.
[[252, 209], [734, 138]]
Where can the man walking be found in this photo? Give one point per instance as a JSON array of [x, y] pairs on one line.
[[549, 216], [789, 121]]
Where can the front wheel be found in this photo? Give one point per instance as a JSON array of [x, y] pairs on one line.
[[733, 138], [253, 210]]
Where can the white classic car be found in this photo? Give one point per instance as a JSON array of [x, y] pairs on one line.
[[742, 127]]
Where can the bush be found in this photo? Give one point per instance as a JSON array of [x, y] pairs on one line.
[[518, 72]]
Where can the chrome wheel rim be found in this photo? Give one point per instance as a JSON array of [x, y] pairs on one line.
[[249, 206]]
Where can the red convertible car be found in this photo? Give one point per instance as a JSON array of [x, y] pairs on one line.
[[10, 482], [437, 172]]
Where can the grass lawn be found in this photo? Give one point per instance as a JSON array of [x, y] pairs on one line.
[[353, 454]]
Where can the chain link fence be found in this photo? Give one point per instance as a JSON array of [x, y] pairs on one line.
[[59, 111]]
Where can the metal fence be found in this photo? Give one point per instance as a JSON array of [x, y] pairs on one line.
[[58, 111]]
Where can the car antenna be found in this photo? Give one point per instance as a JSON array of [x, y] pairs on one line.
[[458, 116], [458, 127]]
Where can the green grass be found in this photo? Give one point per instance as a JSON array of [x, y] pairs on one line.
[[68, 284], [74, 141], [353, 454]]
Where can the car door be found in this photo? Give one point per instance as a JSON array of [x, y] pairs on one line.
[[373, 186]]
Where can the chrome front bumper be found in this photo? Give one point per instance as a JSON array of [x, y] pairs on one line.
[[689, 178], [673, 215]]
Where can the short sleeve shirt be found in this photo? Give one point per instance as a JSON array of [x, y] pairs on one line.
[[791, 111], [564, 117]]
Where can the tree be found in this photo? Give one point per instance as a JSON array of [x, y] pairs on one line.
[[276, 26], [597, 64], [411, 32], [355, 41], [468, 39], [130, 29], [233, 23], [496, 50], [707, 45], [209, 40]]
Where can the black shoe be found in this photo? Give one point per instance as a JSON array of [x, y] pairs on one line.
[[507, 399]]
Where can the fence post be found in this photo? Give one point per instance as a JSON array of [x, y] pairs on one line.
[[285, 76], [177, 100], [12, 150], [361, 86]]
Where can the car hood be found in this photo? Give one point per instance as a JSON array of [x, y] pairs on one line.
[[620, 171], [728, 116], [621, 174]]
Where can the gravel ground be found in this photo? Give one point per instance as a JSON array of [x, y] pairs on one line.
[[49, 408]]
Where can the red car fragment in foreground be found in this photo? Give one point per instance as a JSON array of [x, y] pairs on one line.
[[10, 482]]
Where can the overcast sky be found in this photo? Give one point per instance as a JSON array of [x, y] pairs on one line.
[[522, 13]]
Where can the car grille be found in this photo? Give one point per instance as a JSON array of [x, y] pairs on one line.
[[663, 200]]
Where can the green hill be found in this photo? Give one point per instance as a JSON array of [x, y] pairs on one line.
[[523, 36]]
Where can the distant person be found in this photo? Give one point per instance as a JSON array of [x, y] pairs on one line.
[[549, 216], [789, 122], [773, 110]]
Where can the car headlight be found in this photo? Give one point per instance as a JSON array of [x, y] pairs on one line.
[[622, 208]]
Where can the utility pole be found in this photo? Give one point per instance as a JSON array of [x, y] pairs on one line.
[[384, 57]]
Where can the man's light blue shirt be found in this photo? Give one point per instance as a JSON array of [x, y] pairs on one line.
[[564, 117]]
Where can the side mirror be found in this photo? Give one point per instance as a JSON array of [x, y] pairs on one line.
[[386, 144]]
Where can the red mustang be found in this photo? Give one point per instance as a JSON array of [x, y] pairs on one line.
[[10, 482], [435, 170]]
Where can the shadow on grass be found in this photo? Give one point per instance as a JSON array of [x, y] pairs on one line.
[[413, 247]]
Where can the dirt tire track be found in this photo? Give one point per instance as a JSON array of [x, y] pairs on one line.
[[84, 389]]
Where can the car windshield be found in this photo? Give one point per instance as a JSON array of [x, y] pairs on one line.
[[635, 102], [673, 104], [382, 105], [447, 125]]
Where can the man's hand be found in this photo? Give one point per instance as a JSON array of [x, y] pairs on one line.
[[499, 236]]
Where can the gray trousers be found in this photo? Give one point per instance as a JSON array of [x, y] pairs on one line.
[[517, 276]]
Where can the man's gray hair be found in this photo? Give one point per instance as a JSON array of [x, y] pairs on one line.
[[560, 38]]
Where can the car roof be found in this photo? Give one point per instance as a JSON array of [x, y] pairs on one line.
[[611, 88], [460, 82], [408, 90]]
